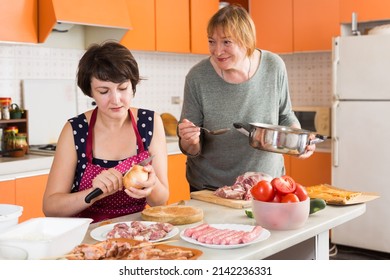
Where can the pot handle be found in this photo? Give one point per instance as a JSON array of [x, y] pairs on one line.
[[244, 129], [319, 138]]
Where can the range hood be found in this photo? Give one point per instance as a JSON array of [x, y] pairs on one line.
[[98, 20]]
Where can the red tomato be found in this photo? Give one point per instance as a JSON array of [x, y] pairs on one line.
[[263, 191], [301, 192], [277, 197], [290, 197], [284, 184]]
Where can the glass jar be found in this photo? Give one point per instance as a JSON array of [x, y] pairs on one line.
[[5, 103], [21, 142], [1, 140], [9, 137]]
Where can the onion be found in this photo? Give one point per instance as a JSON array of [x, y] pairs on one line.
[[134, 175]]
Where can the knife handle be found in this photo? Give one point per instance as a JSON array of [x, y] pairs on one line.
[[95, 193]]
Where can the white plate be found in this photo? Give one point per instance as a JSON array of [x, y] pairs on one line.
[[100, 233], [263, 236]]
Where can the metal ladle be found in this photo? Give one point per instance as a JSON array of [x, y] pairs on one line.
[[215, 132]]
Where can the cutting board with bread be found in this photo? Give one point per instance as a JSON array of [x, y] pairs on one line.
[[338, 196], [209, 196]]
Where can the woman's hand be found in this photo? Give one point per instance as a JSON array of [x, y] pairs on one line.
[[189, 135], [309, 150], [188, 132], [109, 181], [146, 186]]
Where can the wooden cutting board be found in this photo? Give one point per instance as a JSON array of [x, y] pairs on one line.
[[208, 196], [327, 193]]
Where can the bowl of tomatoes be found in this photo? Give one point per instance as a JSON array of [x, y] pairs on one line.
[[280, 204]]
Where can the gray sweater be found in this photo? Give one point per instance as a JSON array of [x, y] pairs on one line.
[[211, 102]]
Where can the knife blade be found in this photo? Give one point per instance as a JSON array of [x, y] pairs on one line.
[[96, 192], [142, 163]]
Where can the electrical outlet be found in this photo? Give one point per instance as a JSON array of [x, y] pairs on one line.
[[175, 100]]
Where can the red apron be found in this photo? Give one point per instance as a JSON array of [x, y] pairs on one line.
[[119, 203]]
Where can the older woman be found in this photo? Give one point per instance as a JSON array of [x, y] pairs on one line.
[[237, 83], [98, 146]]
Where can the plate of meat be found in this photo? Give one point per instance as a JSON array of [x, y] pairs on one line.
[[130, 249], [137, 230], [224, 236]]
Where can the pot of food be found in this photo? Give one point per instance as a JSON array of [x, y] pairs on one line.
[[278, 139]]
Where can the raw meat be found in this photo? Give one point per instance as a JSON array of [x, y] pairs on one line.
[[240, 190]]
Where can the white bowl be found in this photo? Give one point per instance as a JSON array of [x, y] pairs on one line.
[[46, 237], [9, 215], [281, 216], [12, 253]]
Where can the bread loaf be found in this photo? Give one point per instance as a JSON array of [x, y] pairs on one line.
[[175, 214]]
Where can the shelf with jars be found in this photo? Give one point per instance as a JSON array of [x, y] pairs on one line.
[[14, 135]]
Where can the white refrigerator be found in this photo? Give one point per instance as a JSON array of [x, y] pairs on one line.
[[361, 135]]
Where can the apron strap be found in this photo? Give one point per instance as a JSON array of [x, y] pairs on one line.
[[140, 146]]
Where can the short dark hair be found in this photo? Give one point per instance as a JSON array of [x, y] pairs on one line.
[[108, 61]]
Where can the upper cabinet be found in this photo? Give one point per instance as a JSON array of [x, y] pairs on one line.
[[19, 21], [285, 26], [169, 25], [173, 26], [143, 20], [373, 10], [159, 25], [200, 13], [315, 24], [274, 28]]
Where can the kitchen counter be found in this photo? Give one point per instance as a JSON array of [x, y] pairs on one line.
[[31, 164], [39, 164], [309, 242]]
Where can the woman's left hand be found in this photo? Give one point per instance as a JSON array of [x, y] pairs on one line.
[[309, 150], [147, 186]]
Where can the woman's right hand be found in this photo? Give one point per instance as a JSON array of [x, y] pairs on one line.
[[109, 181], [188, 132], [189, 135]]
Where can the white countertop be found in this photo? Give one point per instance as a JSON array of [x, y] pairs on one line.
[[31, 165], [319, 222]]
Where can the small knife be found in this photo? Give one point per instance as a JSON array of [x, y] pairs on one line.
[[96, 192], [142, 163]]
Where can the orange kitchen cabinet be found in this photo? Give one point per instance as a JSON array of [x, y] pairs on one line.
[[313, 170], [372, 10], [7, 192], [200, 13], [143, 19], [315, 24], [172, 26], [19, 21], [178, 185], [274, 24], [29, 194]]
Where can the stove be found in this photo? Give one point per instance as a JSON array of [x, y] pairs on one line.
[[47, 149]]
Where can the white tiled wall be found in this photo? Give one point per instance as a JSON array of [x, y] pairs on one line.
[[309, 75], [310, 78]]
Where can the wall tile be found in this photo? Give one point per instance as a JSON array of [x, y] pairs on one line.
[[164, 73]]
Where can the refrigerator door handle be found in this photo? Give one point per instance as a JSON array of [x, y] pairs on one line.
[[335, 146], [335, 151]]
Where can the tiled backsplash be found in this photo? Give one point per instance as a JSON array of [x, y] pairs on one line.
[[309, 75]]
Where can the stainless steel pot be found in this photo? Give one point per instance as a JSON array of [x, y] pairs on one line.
[[278, 139]]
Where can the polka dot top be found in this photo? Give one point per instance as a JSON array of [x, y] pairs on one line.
[[80, 127]]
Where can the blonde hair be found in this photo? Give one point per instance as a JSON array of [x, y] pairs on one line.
[[237, 24]]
